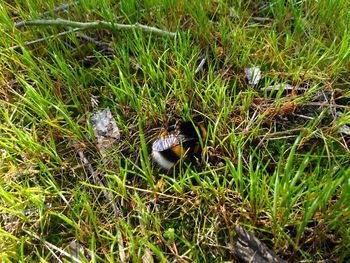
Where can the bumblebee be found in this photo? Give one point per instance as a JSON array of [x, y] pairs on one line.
[[183, 143]]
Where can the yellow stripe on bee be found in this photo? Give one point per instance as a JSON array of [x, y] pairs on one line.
[[178, 150], [164, 134], [203, 131]]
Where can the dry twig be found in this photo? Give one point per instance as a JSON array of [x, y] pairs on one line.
[[94, 25], [36, 41]]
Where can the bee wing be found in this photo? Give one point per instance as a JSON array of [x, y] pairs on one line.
[[168, 142]]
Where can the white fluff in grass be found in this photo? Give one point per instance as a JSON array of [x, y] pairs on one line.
[[253, 75], [105, 129]]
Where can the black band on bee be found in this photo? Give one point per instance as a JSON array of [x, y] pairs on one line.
[[171, 155]]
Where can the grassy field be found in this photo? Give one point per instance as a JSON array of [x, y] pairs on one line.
[[276, 160]]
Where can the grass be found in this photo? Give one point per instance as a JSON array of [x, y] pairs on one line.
[[276, 161]]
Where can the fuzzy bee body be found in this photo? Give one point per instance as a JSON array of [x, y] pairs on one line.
[[184, 143]]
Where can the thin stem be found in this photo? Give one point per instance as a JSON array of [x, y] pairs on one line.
[[94, 25]]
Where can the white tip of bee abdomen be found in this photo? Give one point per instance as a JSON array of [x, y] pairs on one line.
[[159, 158]]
